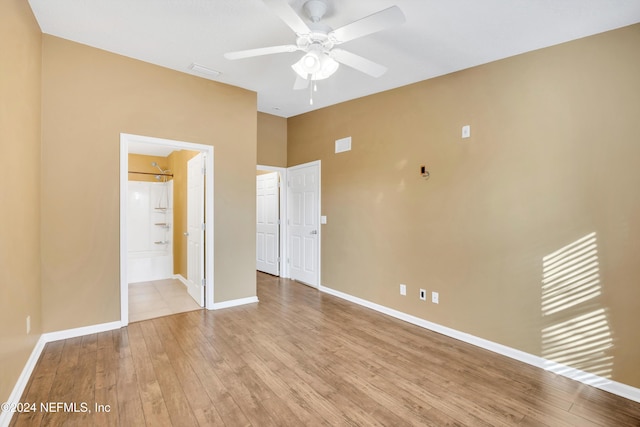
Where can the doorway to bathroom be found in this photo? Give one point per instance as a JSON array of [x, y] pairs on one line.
[[166, 226]]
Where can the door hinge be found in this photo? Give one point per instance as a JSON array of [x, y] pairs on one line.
[[204, 281], [204, 170], [203, 226]]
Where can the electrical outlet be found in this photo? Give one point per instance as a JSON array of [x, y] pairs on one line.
[[423, 295], [435, 298], [28, 324], [403, 289]]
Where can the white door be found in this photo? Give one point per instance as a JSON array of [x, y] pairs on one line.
[[195, 228], [267, 227], [304, 243]]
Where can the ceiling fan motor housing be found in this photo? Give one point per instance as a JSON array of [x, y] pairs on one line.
[[318, 36]]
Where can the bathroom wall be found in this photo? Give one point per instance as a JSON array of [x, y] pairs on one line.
[[178, 164], [142, 163]]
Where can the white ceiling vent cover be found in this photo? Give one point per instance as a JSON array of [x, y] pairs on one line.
[[343, 144], [201, 69]]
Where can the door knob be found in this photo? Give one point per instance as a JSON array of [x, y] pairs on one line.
[[186, 233], [314, 232]]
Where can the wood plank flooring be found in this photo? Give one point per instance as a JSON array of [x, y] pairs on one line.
[[300, 358]]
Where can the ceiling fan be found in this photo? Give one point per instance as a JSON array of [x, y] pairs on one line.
[[319, 41]]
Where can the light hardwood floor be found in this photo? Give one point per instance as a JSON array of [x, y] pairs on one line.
[[302, 358], [148, 300]]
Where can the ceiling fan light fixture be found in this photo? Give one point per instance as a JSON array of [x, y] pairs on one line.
[[317, 65], [329, 66], [311, 62]]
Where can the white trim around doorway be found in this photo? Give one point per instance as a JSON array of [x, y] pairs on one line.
[[125, 140]]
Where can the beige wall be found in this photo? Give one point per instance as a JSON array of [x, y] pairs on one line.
[[20, 72], [89, 97], [553, 156], [272, 140]]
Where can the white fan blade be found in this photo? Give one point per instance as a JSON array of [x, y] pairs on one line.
[[300, 83], [378, 21], [288, 15], [358, 62], [261, 51]]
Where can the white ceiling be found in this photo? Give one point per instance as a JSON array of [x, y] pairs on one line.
[[439, 37]]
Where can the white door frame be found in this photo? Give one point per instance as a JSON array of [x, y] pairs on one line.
[[284, 267], [125, 140], [319, 256]]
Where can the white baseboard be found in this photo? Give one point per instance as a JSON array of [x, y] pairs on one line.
[[79, 332], [181, 278], [234, 303], [23, 379], [223, 304], [606, 384]]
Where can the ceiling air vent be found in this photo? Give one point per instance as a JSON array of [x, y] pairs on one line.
[[201, 69]]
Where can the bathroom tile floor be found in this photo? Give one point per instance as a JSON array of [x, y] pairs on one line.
[[148, 300]]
